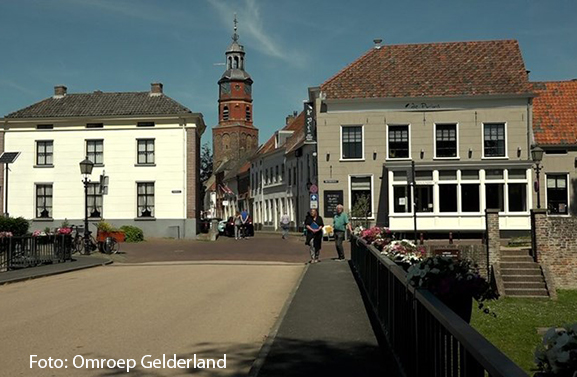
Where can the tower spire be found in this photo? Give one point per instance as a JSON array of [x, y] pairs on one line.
[[235, 35]]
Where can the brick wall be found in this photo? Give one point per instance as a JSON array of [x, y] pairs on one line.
[[556, 245]]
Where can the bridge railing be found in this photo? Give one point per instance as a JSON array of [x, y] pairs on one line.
[[29, 251], [426, 337]]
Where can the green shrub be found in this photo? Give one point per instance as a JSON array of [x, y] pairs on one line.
[[133, 233], [18, 226], [103, 226], [65, 224]]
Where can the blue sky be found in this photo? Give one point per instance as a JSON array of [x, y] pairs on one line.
[[123, 45]]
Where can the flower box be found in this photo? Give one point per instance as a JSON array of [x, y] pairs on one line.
[[118, 236]]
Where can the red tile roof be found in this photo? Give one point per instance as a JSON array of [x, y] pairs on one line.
[[296, 125], [433, 70], [555, 113]]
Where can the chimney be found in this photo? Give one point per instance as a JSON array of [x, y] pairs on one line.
[[378, 43], [290, 118], [59, 91], [156, 89]]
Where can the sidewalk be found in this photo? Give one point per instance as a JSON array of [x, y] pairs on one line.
[[326, 330], [79, 262]]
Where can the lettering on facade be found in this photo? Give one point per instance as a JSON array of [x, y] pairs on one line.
[[331, 200], [422, 105], [309, 122]]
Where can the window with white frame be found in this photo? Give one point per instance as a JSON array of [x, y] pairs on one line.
[[470, 191], [146, 151], [352, 142], [494, 140], [361, 190], [95, 151], [398, 141], [44, 152], [557, 194], [44, 201], [94, 200], [448, 191], [446, 141], [145, 199]]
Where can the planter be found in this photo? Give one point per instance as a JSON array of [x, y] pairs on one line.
[[118, 236], [461, 305]]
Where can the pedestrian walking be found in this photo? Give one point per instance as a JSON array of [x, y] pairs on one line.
[[237, 226], [244, 220], [314, 226], [341, 224], [284, 225]]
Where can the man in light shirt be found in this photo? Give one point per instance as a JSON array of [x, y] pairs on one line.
[[341, 224]]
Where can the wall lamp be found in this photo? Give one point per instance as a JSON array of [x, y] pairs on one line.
[[374, 154], [422, 153], [328, 156], [518, 151], [470, 152]]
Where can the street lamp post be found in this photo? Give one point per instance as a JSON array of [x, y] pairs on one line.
[[537, 156], [86, 169]]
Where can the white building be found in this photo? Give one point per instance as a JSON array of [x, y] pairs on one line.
[[282, 172], [147, 143]]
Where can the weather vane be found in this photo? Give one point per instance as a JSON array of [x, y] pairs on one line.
[[235, 35]]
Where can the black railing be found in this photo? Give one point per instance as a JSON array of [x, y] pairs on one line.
[[426, 337], [28, 251]]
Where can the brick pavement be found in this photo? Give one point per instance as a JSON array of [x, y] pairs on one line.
[[262, 247]]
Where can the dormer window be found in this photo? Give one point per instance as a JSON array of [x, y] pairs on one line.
[[225, 113]]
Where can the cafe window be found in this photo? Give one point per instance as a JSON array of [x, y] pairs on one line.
[[494, 196], [517, 197], [448, 198], [446, 140], [352, 142], [557, 194], [494, 140], [424, 198], [361, 190], [398, 141], [402, 199], [470, 198]]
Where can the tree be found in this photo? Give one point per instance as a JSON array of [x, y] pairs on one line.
[[205, 169]]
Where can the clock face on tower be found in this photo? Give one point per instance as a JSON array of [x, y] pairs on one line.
[[225, 88]]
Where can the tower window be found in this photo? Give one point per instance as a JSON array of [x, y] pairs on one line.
[[247, 113], [225, 113], [235, 62], [229, 62]]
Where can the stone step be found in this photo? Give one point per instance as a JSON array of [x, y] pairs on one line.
[[514, 252], [524, 265], [520, 271], [524, 285], [516, 258], [522, 278], [522, 292]]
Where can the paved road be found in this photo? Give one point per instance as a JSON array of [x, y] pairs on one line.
[[264, 247], [123, 312]]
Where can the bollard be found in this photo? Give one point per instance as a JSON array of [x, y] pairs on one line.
[[450, 238]]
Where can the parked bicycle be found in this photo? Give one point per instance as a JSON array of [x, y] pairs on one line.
[[79, 244]]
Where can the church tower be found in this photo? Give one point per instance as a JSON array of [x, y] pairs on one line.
[[235, 136]]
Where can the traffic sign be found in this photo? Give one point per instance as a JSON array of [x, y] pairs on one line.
[[314, 198], [314, 189]]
